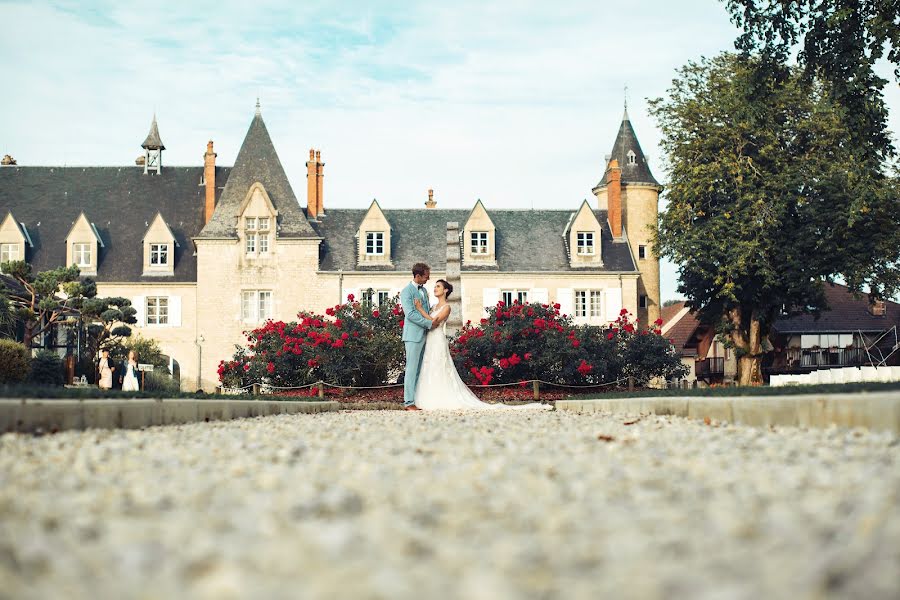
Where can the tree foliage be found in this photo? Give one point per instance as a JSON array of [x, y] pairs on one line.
[[766, 198], [106, 321], [48, 297], [839, 41]]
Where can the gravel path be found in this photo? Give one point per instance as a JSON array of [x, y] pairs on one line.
[[470, 506]]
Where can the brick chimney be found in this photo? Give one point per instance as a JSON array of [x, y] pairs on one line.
[[312, 202], [320, 199], [614, 197], [209, 176], [430, 203]]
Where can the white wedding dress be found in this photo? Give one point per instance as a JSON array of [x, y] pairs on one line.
[[440, 387]]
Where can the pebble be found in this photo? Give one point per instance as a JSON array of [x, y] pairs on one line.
[[496, 505]]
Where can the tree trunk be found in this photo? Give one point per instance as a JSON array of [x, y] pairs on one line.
[[748, 340]]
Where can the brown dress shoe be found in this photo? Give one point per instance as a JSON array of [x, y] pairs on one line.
[[411, 407]]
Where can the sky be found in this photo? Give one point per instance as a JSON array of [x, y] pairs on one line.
[[513, 102]]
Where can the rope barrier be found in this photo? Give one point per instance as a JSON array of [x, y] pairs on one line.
[[521, 384]]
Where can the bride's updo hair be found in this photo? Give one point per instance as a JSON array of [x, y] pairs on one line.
[[448, 289]]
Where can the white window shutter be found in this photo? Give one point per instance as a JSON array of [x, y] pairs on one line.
[[175, 311], [140, 306], [613, 303], [490, 297], [538, 295], [566, 299]]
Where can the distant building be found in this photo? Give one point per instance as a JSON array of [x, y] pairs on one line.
[[208, 252]]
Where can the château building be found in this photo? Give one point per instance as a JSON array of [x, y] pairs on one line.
[[207, 252]]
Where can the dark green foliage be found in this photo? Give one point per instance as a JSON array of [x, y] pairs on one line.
[[15, 362], [47, 369]]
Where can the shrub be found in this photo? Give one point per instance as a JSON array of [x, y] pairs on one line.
[[158, 381], [14, 362], [47, 369], [353, 344], [534, 341]]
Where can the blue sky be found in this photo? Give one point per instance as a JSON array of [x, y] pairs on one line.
[[511, 101]]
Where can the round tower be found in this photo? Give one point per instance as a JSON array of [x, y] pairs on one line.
[[628, 187]]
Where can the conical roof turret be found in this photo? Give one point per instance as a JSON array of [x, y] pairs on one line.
[[153, 141], [627, 151]]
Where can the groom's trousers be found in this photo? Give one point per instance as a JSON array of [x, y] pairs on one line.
[[414, 352]]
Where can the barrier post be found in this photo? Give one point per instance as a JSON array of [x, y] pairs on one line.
[[630, 383], [536, 386], [254, 389], [321, 385]]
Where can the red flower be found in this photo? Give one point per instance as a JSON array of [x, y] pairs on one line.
[[338, 323], [329, 312], [528, 356], [311, 362], [575, 343], [401, 322], [584, 368], [350, 297], [624, 311], [270, 368], [246, 366], [658, 322], [338, 344], [557, 305], [610, 335], [376, 314], [504, 364], [345, 335]]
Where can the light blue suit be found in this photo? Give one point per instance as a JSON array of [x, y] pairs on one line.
[[415, 327]]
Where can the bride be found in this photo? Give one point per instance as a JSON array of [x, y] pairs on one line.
[[439, 386]]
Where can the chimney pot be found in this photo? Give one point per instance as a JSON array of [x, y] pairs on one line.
[[8, 161], [430, 203]]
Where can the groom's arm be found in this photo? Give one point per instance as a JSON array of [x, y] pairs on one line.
[[409, 309]]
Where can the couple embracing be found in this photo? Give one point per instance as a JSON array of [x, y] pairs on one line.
[[431, 381]]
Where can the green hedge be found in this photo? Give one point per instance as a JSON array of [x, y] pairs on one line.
[[47, 369], [15, 364]]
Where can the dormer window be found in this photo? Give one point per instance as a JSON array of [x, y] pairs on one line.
[[585, 243], [256, 232], [375, 243], [479, 242], [632, 157], [81, 254], [9, 252], [159, 255]]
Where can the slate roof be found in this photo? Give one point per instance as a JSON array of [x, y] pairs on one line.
[[121, 201], [626, 140], [845, 314], [527, 240], [153, 141], [258, 161]]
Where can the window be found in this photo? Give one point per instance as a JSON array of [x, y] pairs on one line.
[[82, 254], [642, 302], [632, 158], [511, 296], [159, 254], [376, 297], [256, 230], [9, 252], [479, 242], [588, 303], [157, 310], [585, 243], [256, 305], [642, 251], [375, 242]]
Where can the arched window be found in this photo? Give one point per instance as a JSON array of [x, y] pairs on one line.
[[632, 158]]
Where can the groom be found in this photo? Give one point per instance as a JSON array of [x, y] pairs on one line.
[[415, 326]]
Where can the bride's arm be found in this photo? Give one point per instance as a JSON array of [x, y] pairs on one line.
[[441, 316]]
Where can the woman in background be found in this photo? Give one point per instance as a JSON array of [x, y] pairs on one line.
[[130, 380], [106, 370]]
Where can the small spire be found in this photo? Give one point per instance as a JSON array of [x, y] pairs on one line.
[[625, 94], [153, 141], [258, 111]]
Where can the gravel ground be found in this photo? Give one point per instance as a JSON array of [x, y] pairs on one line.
[[471, 506]]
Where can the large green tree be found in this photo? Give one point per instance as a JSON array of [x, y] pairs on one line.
[[766, 198], [107, 322]]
